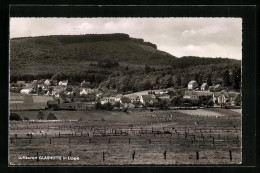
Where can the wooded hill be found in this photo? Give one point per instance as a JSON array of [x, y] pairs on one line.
[[98, 58]]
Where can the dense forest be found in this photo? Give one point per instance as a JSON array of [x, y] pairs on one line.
[[114, 61]]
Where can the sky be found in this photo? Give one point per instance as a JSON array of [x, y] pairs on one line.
[[204, 37]]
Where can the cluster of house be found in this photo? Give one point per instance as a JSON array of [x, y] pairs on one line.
[[51, 87], [194, 92], [220, 98], [137, 100]]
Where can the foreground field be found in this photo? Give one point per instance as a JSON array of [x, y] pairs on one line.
[[138, 137]]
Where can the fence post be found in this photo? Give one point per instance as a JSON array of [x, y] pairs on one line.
[[37, 156], [129, 141], [164, 154], [103, 156], [197, 155], [69, 140], [150, 141], [50, 140], [15, 136], [230, 155], [133, 155], [109, 140], [213, 141], [89, 140], [70, 153]]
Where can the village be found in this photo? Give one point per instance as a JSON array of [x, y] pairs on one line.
[[61, 95]]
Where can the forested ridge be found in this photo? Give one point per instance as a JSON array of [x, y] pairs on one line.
[[114, 61]]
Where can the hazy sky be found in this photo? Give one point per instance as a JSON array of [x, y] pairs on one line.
[[204, 37]]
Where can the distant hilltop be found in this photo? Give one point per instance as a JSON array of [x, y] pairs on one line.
[[70, 39]]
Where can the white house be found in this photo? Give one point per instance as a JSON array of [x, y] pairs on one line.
[[26, 91], [204, 86], [48, 82], [83, 91], [108, 100], [163, 92], [63, 83], [192, 85]]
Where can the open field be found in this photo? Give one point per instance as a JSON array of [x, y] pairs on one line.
[[136, 137], [28, 102]]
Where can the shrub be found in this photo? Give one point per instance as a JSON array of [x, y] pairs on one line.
[[25, 118], [51, 116], [40, 115], [15, 117], [80, 119]]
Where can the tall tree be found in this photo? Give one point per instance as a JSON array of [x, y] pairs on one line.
[[209, 81], [226, 78], [236, 78]]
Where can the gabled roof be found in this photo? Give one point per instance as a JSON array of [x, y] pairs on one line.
[[193, 81], [216, 86], [133, 97], [118, 96], [64, 81], [204, 84], [149, 97]]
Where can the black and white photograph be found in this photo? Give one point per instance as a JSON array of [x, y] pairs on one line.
[[125, 91]]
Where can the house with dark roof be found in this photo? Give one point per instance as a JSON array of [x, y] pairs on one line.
[[108, 100], [220, 97], [134, 98], [195, 95], [126, 102], [63, 83], [151, 99], [192, 85], [204, 86]]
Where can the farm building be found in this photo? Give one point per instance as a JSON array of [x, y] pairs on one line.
[[83, 91], [111, 100], [192, 85], [163, 92], [219, 98], [126, 102], [63, 83], [134, 98], [151, 99], [204, 86], [118, 97], [26, 91], [85, 84], [197, 94], [48, 82]]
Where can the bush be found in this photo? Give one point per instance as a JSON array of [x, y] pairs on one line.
[[25, 118], [51, 116], [40, 115], [15, 117]]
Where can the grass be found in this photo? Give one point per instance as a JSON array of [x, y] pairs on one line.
[[226, 131]]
